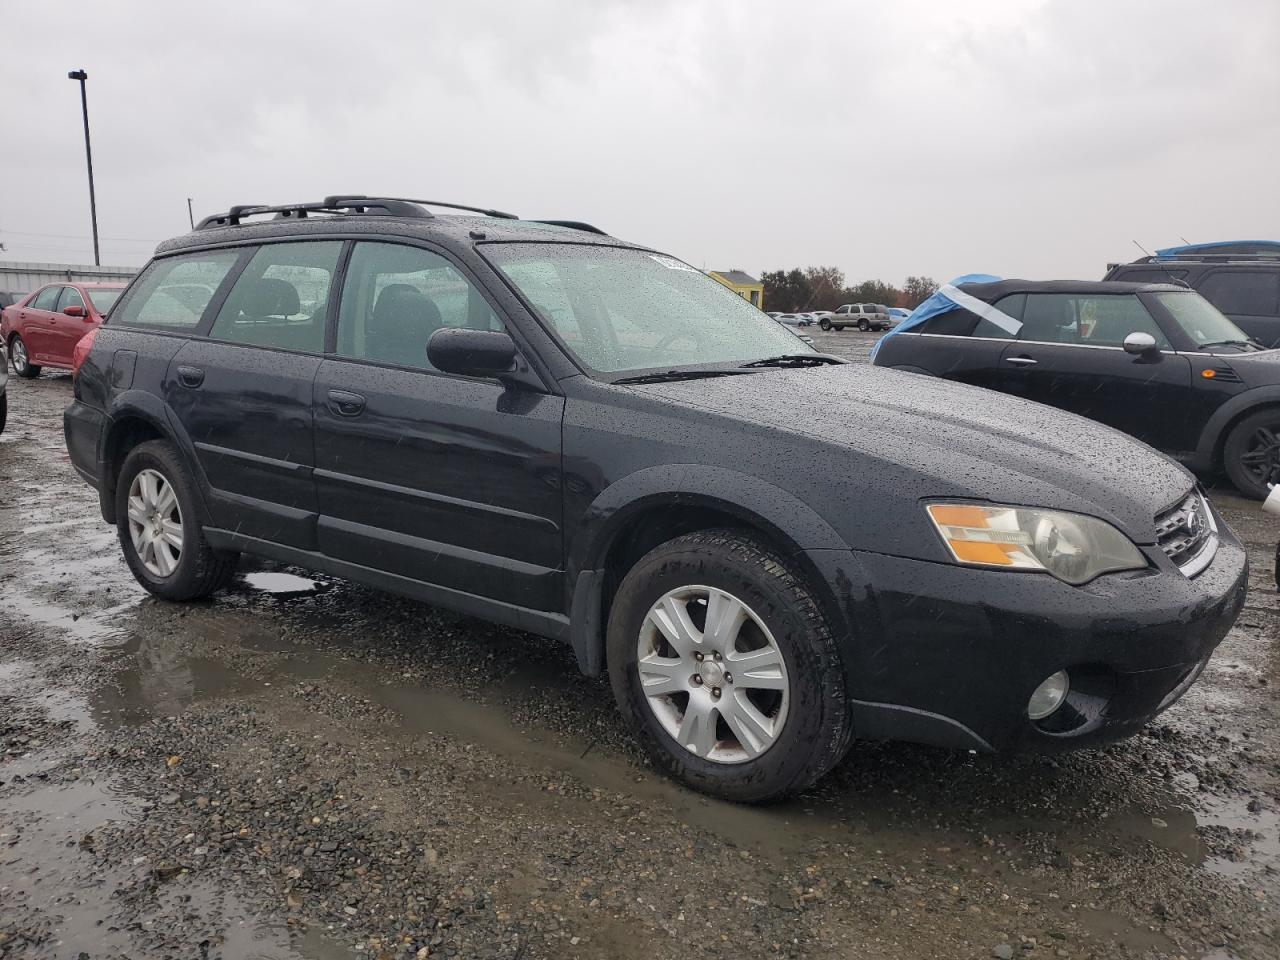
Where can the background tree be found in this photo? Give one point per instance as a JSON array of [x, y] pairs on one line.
[[786, 290], [826, 285], [872, 291], [917, 290]]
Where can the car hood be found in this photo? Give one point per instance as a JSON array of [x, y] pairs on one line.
[[1255, 369], [929, 437]]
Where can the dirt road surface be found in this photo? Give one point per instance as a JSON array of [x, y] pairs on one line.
[[303, 768]]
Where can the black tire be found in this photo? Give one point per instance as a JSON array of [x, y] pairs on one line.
[[27, 370], [200, 569], [817, 730], [824, 323], [863, 325], [1251, 455], [4, 410]]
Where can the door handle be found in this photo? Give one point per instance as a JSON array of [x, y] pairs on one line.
[[190, 376], [1024, 361], [346, 404]]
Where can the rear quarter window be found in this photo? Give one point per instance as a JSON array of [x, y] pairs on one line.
[[1254, 293], [172, 293]]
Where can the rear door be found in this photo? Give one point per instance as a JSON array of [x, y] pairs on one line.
[[243, 391], [1248, 295], [447, 480], [1069, 354]]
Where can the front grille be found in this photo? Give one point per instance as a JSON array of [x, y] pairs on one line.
[[1187, 534]]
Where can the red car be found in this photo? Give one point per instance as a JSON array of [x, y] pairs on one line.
[[42, 330]]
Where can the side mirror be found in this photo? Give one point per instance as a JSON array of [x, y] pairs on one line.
[[1140, 344], [471, 353], [73, 310]]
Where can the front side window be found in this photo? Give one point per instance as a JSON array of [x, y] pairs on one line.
[[619, 309], [46, 299], [281, 297], [70, 298], [395, 297], [172, 293], [1102, 320], [1200, 319]]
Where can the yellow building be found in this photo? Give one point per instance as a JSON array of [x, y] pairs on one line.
[[744, 285]]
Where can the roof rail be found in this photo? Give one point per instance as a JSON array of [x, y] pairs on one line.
[[376, 206], [573, 225], [1215, 257]]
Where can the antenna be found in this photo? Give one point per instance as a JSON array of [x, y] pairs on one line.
[[1172, 279], [1141, 247], [1184, 240]]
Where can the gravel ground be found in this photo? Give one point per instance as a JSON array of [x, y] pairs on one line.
[[303, 768]]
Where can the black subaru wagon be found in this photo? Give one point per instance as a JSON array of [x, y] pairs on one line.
[[1157, 361], [542, 425]]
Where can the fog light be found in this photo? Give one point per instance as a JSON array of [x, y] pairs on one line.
[[1048, 696]]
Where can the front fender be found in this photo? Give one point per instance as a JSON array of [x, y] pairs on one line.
[[792, 525], [1214, 431]]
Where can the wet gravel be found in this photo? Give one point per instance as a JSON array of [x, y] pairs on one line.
[[306, 768]]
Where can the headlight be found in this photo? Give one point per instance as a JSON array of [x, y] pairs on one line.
[[1071, 546]]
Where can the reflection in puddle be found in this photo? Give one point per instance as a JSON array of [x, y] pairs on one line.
[[283, 585]]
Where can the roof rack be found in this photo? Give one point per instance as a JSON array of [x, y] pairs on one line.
[[1215, 257], [356, 204], [573, 225]]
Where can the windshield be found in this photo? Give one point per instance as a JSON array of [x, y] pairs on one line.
[[103, 299], [620, 310], [1200, 319]]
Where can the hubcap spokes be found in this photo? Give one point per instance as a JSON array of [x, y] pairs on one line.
[[712, 674], [19, 356], [155, 522], [1262, 459]]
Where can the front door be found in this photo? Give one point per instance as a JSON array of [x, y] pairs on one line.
[[1069, 355], [66, 331], [37, 324], [243, 394], [452, 481]]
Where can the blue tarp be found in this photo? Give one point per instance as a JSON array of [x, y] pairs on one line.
[[936, 304], [1251, 246]]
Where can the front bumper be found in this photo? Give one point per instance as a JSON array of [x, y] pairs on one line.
[[945, 654]]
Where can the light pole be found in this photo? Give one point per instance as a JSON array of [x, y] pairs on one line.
[[88, 156]]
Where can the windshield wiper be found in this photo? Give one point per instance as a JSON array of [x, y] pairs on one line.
[[672, 375], [795, 360], [1235, 343]]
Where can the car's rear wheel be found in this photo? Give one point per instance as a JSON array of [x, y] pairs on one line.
[[824, 323], [863, 325], [723, 663], [22, 364], [1251, 454], [159, 527]]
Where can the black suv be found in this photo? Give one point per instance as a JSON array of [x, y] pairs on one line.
[[553, 429], [1244, 286], [1157, 361]]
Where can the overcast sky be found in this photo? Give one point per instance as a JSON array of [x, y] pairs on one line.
[[1034, 139]]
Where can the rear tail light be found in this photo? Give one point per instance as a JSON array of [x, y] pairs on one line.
[[81, 352]]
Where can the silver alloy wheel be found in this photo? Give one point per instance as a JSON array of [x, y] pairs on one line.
[[155, 522], [19, 350], [713, 674]]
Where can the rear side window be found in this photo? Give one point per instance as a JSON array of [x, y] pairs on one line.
[[395, 297], [1250, 292], [46, 299], [172, 293], [961, 323], [280, 299]]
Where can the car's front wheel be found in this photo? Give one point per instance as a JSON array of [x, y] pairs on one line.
[[723, 663], [159, 527], [1251, 454], [22, 364]]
